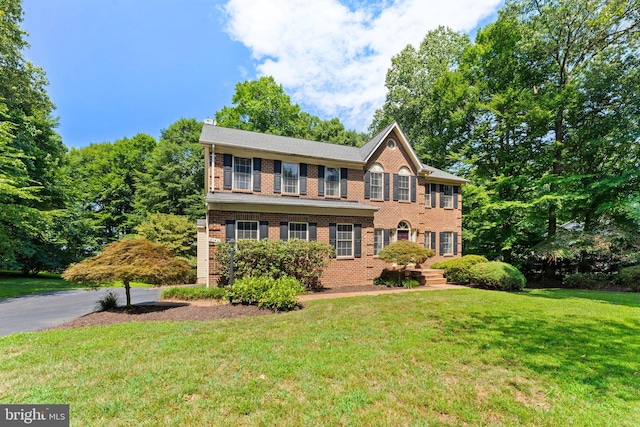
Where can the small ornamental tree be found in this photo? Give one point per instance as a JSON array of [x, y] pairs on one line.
[[130, 260], [404, 252]]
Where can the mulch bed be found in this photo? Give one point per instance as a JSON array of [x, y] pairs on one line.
[[177, 311]]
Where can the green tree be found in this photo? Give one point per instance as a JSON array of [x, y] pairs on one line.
[[175, 232], [173, 179], [404, 252]]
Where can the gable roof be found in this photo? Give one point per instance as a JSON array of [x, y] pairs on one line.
[[285, 145]]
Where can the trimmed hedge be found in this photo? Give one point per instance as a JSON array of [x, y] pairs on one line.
[[496, 275], [265, 292], [630, 277], [193, 293], [456, 270]]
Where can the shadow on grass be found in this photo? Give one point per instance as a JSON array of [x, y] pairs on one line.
[[629, 299]]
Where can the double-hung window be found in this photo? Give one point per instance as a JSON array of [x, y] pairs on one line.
[[404, 184], [344, 240], [427, 240], [447, 243], [378, 240], [242, 171], [332, 182], [298, 230], [247, 230], [376, 180], [290, 174], [427, 195], [447, 194]]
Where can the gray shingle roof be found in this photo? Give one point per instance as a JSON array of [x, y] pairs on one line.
[[440, 174], [253, 199]]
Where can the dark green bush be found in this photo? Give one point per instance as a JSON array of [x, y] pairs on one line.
[[456, 270], [587, 281], [496, 275], [193, 293], [263, 291], [300, 259], [630, 277], [107, 302]]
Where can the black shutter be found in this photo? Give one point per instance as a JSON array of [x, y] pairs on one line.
[[385, 238], [320, 181], [414, 183], [284, 231], [344, 178], [456, 190], [303, 179], [227, 177], [433, 241], [441, 245], [357, 240], [313, 231], [332, 234], [434, 193], [257, 174], [396, 180], [386, 186], [277, 174], [441, 196], [264, 230], [367, 185], [455, 243], [230, 230]]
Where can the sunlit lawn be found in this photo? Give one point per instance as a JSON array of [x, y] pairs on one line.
[[14, 284], [455, 357]]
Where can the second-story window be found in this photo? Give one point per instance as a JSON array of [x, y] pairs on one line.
[[447, 194], [376, 182], [404, 184], [290, 174], [242, 173], [332, 182]]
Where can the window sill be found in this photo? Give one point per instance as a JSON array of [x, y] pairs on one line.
[[236, 190], [344, 258]]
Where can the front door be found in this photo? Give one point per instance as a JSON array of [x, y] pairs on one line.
[[403, 235]]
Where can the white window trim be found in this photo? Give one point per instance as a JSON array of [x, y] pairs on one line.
[[427, 195], [376, 169], [448, 198], [427, 240], [257, 229], [326, 182], [233, 174], [376, 251], [447, 233], [282, 179], [405, 172], [306, 224], [338, 240]]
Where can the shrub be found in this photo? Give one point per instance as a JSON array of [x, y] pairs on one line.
[[586, 281], [387, 278], [457, 270], [264, 291], [410, 283], [300, 259], [108, 301], [496, 275], [405, 252], [193, 293], [630, 277]]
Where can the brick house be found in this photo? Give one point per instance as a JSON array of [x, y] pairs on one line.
[[261, 186]]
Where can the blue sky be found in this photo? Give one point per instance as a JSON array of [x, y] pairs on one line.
[[121, 67]]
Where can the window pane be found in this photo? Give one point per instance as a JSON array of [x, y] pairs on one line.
[[378, 241], [427, 240], [376, 186], [344, 240], [332, 182], [290, 178], [403, 187], [448, 196], [427, 195], [298, 230], [447, 243], [242, 173], [247, 230]]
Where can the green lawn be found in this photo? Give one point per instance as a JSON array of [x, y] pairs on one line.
[[14, 284], [444, 358]]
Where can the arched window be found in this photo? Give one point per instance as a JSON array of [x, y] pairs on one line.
[[403, 231], [376, 180]]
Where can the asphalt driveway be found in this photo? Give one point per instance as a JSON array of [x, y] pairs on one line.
[[27, 313]]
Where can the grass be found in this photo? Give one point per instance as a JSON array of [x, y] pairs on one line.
[[445, 358], [14, 284]]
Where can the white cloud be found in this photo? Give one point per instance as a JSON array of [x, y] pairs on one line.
[[332, 56]]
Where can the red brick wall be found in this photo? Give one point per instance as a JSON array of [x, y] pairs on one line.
[[421, 218]]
